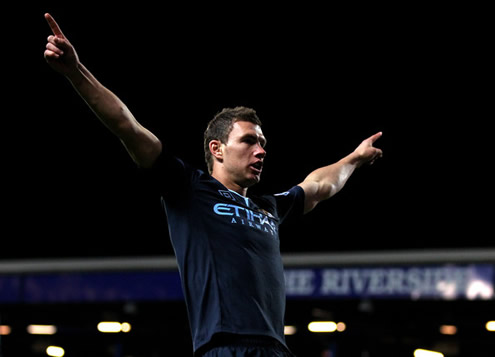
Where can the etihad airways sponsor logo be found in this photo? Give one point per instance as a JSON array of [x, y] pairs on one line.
[[244, 216]]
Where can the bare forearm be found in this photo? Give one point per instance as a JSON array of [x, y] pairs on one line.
[[106, 105], [142, 145], [332, 178], [326, 181]]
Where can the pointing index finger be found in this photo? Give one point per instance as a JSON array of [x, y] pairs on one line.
[[375, 137], [54, 26]]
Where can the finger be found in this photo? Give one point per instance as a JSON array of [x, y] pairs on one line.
[[60, 43], [50, 55], [52, 39], [375, 137], [378, 155], [54, 26], [53, 48]]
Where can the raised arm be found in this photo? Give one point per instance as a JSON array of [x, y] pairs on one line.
[[142, 145], [325, 182]]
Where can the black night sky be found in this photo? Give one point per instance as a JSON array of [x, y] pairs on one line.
[[320, 81]]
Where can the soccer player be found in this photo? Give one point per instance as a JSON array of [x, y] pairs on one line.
[[226, 243]]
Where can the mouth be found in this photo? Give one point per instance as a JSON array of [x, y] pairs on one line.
[[257, 166]]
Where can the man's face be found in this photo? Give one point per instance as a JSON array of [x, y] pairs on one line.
[[244, 152]]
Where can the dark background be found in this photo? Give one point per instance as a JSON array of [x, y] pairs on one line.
[[321, 80]]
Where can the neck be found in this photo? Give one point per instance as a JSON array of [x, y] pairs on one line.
[[231, 185]]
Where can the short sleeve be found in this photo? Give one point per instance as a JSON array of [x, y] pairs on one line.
[[290, 203], [169, 174]]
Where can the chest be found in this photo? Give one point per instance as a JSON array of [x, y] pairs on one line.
[[236, 213]]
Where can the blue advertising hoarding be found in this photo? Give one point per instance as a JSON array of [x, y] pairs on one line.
[[448, 282], [400, 282]]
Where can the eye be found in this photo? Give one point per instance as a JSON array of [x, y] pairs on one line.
[[249, 140]]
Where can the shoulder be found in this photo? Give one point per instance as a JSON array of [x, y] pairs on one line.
[[284, 202], [173, 175], [294, 192]]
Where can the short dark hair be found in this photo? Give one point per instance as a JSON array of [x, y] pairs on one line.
[[220, 126]]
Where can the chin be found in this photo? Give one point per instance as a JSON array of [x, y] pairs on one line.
[[256, 179], [250, 181]]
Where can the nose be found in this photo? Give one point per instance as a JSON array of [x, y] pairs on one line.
[[260, 152]]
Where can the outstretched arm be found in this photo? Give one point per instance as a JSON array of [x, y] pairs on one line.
[[326, 181], [142, 145]]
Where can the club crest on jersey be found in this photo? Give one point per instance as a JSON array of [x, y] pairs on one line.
[[227, 194], [265, 212]]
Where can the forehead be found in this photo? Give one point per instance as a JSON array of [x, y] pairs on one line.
[[241, 128]]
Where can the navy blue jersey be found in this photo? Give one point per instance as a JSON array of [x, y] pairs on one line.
[[228, 251]]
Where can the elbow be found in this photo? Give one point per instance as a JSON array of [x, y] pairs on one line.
[[326, 189], [124, 124], [331, 190], [143, 147], [146, 157], [315, 192]]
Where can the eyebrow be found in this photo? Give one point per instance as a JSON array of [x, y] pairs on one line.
[[261, 138]]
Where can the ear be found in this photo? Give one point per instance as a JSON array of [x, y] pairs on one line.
[[216, 149]]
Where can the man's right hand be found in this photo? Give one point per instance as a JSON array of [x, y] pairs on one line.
[[59, 53]]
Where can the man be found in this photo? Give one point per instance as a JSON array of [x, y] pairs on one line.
[[226, 243]]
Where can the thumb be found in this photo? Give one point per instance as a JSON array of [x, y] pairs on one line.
[[62, 43]]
